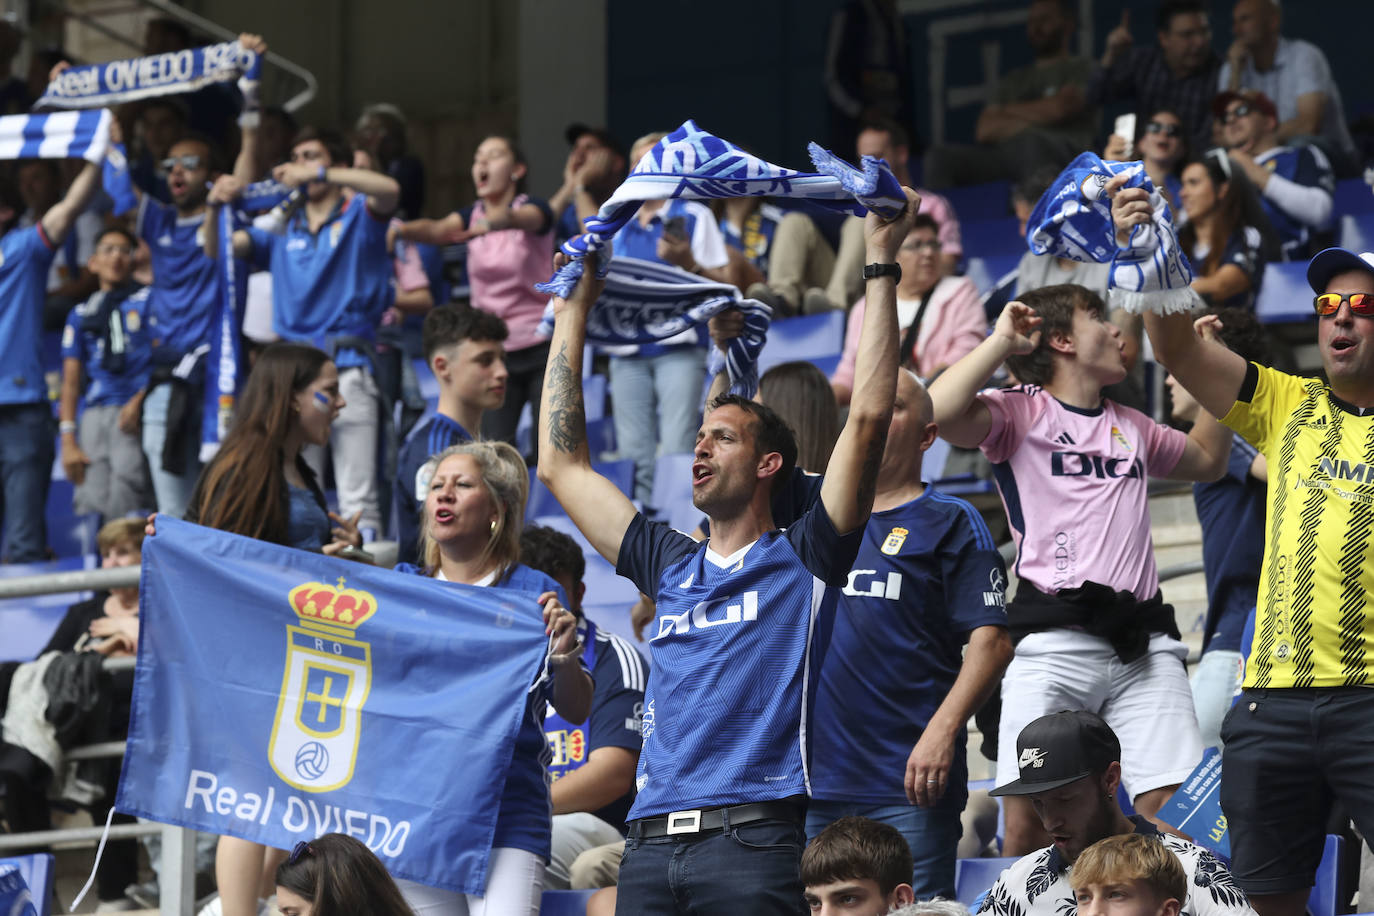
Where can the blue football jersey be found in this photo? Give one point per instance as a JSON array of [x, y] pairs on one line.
[[1304, 165], [726, 710], [333, 283], [927, 574], [24, 258], [182, 308], [103, 387]]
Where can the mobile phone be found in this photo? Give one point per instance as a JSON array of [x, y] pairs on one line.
[[357, 554], [676, 227], [1125, 127]]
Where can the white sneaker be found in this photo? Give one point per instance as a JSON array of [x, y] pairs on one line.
[[213, 908]]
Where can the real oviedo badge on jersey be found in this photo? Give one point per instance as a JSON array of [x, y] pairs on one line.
[[1121, 439], [326, 682], [894, 541]]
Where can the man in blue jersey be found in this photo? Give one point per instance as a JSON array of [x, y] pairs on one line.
[[331, 282], [26, 436], [182, 306], [593, 766], [722, 777], [893, 694], [1295, 183], [464, 349]]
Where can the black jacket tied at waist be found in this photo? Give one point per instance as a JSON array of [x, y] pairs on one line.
[[1118, 617]]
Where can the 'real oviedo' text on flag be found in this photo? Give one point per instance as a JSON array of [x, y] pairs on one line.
[[281, 695]]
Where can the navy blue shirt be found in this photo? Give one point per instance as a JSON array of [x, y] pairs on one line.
[[1231, 513], [25, 255], [1304, 165], [185, 286], [430, 436], [733, 660], [927, 575], [105, 387]]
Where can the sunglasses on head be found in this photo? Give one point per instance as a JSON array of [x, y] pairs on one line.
[[1330, 303], [1159, 127], [190, 162], [1236, 113], [300, 849]]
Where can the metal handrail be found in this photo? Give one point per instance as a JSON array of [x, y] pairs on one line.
[[77, 580], [172, 11]]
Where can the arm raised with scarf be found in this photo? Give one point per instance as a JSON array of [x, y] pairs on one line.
[[1211, 373], [964, 420], [61, 216], [596, 506]]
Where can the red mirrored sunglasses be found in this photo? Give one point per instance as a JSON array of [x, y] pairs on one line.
[[1330, 303]]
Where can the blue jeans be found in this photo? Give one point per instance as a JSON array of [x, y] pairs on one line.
[[26, 456], [1215, 683], [932, 833], [754, 869], [657, 408], [173, 491]]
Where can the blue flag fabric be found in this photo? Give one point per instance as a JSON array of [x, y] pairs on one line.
[[646, 301], [1195, 808], [1074, 220], [119, 81], [64, 135], [281, 694]]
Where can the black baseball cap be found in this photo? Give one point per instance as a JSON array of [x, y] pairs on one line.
[[1334, 261], [1061, 748]]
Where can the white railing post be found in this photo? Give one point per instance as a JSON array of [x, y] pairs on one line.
[[177, 882]]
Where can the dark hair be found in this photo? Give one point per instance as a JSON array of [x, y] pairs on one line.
[[1238, 208], [857, 849], [120, 231], [1244, 335], [801, 395], [518, 154], [51, 166], [334, 143], [1164, 17], [896, 133], [447, 325], [215, 160], [1033, 186], [243, 489], [924, 221], [173, 27], [171, 103], [1185, 145], [282, 115], [1055, 305], [340, 876], [553, 553], [771, 433]]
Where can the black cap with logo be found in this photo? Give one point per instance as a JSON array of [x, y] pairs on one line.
[[1061, 748]]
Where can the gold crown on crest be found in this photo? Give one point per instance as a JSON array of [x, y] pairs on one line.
[[332, 607]]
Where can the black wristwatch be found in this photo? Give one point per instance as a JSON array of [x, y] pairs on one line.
[[883, 270]]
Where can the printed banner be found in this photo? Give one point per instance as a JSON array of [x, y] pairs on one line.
[[119, 81], [281, 695], [1195, 808]]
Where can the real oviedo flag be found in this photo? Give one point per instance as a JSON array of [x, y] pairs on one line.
[[281, 695]]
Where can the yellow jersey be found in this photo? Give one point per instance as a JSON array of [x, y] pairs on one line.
[[1316, 587]]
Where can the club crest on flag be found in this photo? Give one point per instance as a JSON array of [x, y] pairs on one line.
[[895, 539], [327, 677]]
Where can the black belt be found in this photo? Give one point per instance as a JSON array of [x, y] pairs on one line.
[[702, 820]]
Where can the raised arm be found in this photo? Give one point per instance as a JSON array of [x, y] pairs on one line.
[[1211, 373], [383, 193], [222, 192], [444, 231], [245, 166], [598, 508], [61, 216], [852, 472], [963, 419]]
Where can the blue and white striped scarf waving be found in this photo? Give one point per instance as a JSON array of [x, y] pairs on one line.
[[1074, 220]]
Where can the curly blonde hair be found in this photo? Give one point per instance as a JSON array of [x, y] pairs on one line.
[[508, 484]]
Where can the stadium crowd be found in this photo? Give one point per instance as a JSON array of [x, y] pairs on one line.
[[791, 729]]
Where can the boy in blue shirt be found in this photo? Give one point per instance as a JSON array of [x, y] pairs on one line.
[[331, 282], [722, 778], [106, 340], [26, 445]]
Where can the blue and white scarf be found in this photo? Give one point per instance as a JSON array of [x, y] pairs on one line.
[[119, 81], [692, 164], [646, 301], [63, 135], [1074, 220]]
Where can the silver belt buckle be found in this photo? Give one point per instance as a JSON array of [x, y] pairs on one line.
[[684, 822]]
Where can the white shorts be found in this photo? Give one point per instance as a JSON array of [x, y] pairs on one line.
[[515, 883], [1148, 702]]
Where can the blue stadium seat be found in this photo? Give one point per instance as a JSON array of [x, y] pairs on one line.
[[986, 271], [1352, 196], [972, 877], [1357, 231], [807, 337], [1325, 897], [564, 903], [37, 870], [1284, 294], [542, 502], [672, 496], [988, 237], [979, 201]]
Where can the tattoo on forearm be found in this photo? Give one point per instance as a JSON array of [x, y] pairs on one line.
[[868, 476], [567, 418]]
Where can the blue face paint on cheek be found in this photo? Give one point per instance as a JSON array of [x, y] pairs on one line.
[[323, 402]]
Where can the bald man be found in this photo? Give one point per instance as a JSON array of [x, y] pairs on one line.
[[894, 693]]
